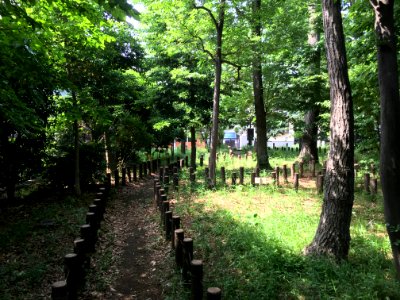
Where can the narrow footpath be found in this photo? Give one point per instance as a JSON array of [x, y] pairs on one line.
[[138, 253]]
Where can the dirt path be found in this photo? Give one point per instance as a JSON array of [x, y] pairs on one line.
[[139, 251]]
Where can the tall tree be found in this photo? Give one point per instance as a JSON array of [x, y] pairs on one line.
[[332, 237], [388, 76], [261, 119], [308, 142]]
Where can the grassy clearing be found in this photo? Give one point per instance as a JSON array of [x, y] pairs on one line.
[[251, 240]]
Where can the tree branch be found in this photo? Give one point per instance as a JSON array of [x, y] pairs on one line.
[[214, 20]]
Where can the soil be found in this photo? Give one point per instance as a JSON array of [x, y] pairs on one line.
[[139, 252]]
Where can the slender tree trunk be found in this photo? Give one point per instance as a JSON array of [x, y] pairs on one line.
[[308, 147], [332, 237], [193, 147], [77, 179], [217, 94], [390, 111], [261, 118]]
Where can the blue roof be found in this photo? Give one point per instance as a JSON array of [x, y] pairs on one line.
[[229, 135]]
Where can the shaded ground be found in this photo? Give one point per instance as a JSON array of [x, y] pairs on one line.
[[138, 261]]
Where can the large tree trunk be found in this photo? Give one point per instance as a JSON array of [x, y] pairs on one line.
[[77, 177], [390, 111], [217, 94], [193, 147], [261, 119], [332, 237], [309, 149]]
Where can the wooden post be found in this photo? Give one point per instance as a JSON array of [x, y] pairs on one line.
[[176, 224], [320, 183], [86, 232], [241, 175], [134, 172], [301, 169], [206, 172], [166, 180], [144, 166], [59, 290], [201, 160], [192, 177], [80, 250], [73, 274], [108, 182], [214, 293], [313, 168], [223, 175], [292, 170], [273, 175], [91, 220], [116, 178], [165, 208], [367, 179], [179, 234], [168, 225], [257, 172], [196, 268], [374, 186], [123, 176], [175, 180], [284, 173], [296, 182], [128, 170], [100, 207], [253, 179], [140, 171], [187, 258], [234, 178], [277, 175]]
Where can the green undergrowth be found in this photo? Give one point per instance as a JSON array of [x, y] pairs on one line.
[[251, 240], [34, 238]]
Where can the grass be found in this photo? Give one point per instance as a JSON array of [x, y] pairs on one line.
[[251, 240]]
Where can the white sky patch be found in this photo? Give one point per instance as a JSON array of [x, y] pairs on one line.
[[140, 8]]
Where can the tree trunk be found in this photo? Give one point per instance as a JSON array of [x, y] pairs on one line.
[[308, 141], [390, 111], [261, 119], [217, 93], [77, 179], [332, 237], [193, 147]]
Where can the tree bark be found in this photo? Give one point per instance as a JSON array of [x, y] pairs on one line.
[[193, 147], [261, 118], [308, 145], [332, 237], [77, 179], [217, 93], [390, 111]]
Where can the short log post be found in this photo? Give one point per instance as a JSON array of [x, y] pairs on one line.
[[176, 224], [59, 290], [134, 172], [108, 181], [140, 171], [186, 161], [312, 168], [253, 179], [223, 175], [73, 274], [162, 196], [301, 169], [234, 177], [91, 220], [367, 179], [175, 180], [214, 293], [296, 182], [123, 176], [320, 183], [196, 268], [86, 233], [168, 225], [201, 160], [144, 167], [273, 175], [80, 250], [374, 186], [285, 173], [156, 195], [166, 180], [292, 170], [179, 234], [165, 208], [257, 172], [116, 178], [192, 177], [128, 170], [100, 207], [187, 258], [277, 170], [241, 175], [206, 172]]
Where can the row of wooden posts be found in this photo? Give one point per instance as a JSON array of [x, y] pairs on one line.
[[191, 268], [77, 262]]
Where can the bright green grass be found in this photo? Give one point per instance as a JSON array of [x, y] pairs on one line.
[[251, 241]]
